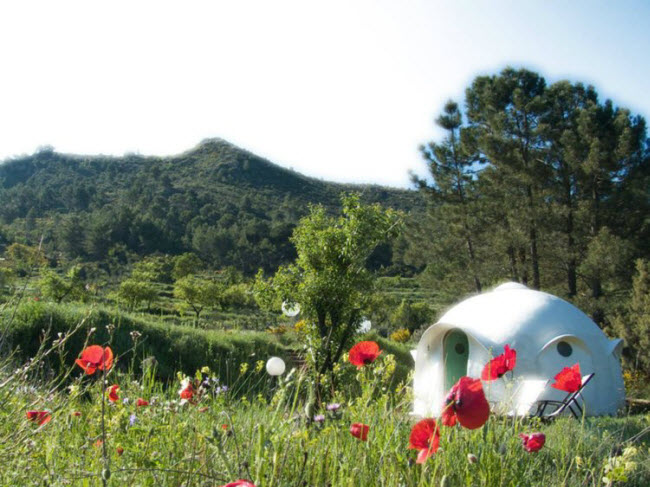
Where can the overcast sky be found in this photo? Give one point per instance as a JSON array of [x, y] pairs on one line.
[[342, 90]]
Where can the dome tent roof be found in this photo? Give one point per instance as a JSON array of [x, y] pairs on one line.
[[512, 313]]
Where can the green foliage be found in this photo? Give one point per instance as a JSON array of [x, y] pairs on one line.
[[329, 279], [7, 278], [58, 288], [175, 348], [198, 293], [186, 264], [544, 185], [24, 258], [226, 205], [412, 315], [133, 291], [634, 323]]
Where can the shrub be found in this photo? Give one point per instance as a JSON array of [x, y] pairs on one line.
[[401, 336]]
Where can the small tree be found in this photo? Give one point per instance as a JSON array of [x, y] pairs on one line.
[[6, 280], [198, 293], [134, 291], [634, 324], [186, 264], [58, 288], [23, 258], [329, 279]]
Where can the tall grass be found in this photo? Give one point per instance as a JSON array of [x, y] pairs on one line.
[[267, 439], [259, 429]]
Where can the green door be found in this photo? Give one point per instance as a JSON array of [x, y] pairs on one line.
[[455, 349]]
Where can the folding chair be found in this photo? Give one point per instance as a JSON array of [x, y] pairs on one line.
[[570, 402]]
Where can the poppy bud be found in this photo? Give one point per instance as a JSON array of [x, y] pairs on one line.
[[106, 473]]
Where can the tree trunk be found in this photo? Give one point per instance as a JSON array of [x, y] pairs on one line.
[[532, 235]]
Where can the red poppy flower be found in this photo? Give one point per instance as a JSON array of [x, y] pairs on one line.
[[76, 413], [533, 442], [224, 426], [359, 430], [425, 436], [112, 393], [141, 402], [239, 483], [187, 391], [95, 358], [466, 403], [500, 364], [569, 379], [120, 450], [40, 417], [364, 353]]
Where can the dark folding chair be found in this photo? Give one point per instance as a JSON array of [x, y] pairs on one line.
[[570, 402]]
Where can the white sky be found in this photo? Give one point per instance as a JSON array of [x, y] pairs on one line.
[[343, 90]]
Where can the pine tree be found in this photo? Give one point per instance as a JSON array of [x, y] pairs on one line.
[[452, 168]]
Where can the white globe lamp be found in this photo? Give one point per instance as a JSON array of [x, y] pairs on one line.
[[275, 366], [290, 310], [364, 326]]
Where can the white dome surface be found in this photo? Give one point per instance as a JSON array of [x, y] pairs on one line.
[[519, 314], [509, 285], [548, 334]]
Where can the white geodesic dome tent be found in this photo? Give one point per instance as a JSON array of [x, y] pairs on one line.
[[548, 334]]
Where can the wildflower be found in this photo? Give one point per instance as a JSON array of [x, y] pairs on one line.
[[98, 443], [95, 358], [76, 413], [132, 419], [112, 393], [569, 379], [425, 436], [187, 390], [500, 364], [533, 442], [141, 402], [360, 431], [40, 417], [333, 407], [364, 353], [224, 426], [239, 483], [319, 418], [466, 404], [120, 450], [125, 401]]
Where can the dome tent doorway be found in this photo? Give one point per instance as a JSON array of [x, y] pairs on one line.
[[455, 348]]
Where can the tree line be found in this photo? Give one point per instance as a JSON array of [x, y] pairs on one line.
[[543, 184]]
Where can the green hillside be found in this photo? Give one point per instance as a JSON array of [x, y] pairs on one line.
[[228, 205]]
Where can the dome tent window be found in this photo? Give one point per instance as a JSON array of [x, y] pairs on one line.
[[564, 349]]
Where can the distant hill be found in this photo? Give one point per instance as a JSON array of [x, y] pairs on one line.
[[222, 202]]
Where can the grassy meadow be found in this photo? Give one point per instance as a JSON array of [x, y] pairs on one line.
[[257, 428]]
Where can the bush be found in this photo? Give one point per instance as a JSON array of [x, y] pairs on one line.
[[401, 336]]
